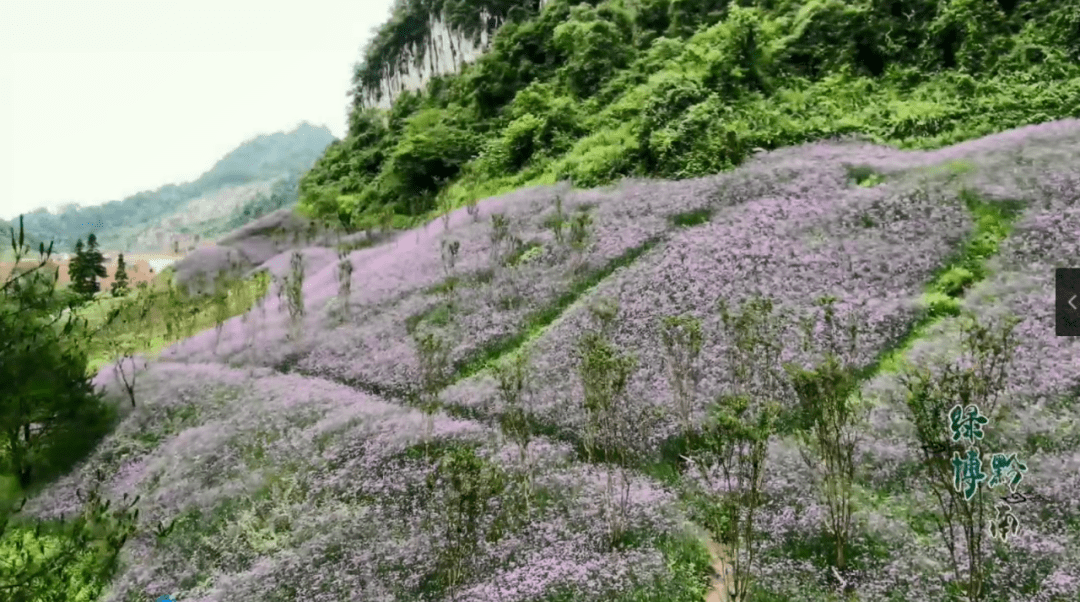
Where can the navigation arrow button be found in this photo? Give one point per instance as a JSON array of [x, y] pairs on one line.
[[1067, 302]]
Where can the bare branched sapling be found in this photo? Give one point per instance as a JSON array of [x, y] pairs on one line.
[[500, 233], [682, 340], [433, 357], [731, 460], [294, 291], [831, 415], [344, 274], [513, 385]]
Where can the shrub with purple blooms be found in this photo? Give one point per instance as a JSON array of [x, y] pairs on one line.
[[612, 394]]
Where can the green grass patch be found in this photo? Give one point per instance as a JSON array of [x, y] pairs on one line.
[[445, 286], [534, 323], [152, 332], [964, 269], [433, 450], [691, 218], [863, 175], [440, 314], [525, 253], [861, 552], [476, 278], [950, 170]]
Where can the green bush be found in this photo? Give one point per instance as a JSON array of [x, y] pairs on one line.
[[742, 61], [598, 42], [599, 159], [672, 94], [50, 417], [939, 304], [682, 88], [953, 282]]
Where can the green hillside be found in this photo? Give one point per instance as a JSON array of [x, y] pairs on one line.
[[280, 157], [592, 91], [729, 277]]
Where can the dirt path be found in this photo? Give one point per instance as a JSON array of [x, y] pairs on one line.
[[722, 580]]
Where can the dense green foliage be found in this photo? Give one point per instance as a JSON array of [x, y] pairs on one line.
[[120, 283], [86, 267], [262, 158], [680, 88], [50, 417]]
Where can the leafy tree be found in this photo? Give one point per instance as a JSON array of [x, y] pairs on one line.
[[47, 395], [77, 268], [674, 94], [47, 405], [978, 379], [651, 19], [433, 357], [829, 403], [732, 458], [96, 261], [741, 62], [686, 16], [87, 267], [682, 340], [468, 487], [615, 425], [433, 148], [597, 47], [514, 391], [120, 282]]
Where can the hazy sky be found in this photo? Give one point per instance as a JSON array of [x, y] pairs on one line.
[[100, 99]]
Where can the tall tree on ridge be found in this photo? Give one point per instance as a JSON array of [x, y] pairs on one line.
[[120, 280], [77, 268]]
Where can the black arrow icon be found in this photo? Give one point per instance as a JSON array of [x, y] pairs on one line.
[[1066, 296]]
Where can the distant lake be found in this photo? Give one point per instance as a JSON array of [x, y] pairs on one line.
[[160, 264]]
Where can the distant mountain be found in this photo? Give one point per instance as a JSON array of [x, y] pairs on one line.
[[246, 176], [268, 156]]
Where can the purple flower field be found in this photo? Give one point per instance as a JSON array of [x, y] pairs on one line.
[[300, 485]]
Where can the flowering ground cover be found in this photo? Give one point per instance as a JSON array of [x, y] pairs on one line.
[[282, 457], [285, 486]]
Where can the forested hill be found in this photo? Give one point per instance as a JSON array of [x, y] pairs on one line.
[[259, 171], [593, 91]]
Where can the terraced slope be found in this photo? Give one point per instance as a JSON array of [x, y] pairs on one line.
[[296, 466]]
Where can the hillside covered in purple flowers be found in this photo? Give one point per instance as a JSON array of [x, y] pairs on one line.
[[433, 422]]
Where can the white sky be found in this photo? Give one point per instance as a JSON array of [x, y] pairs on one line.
[[100, 99]]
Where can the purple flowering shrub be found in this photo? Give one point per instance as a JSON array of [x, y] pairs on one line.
[[1038, 403], [287, 485], [265, 484], [390, 282], [802, 244]]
